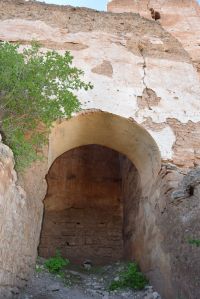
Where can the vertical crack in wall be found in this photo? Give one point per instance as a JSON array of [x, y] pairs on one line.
[[144, 66]]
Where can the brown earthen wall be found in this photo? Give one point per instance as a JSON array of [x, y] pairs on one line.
[[83, 209], [131, 194]]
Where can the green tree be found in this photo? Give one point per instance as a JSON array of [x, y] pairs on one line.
[[36, 88]]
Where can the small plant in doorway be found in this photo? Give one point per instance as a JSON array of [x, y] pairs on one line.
[[195, 242], [131, 278], [56, 263], [39, 268]]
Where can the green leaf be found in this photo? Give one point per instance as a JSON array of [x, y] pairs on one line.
[[36, 88], [131, 278]]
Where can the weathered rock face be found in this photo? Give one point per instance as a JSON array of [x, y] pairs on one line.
[[146, 92], [19, 222], [180, 18], [178, 218]]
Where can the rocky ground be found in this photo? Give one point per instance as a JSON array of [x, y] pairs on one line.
[[77, 282]]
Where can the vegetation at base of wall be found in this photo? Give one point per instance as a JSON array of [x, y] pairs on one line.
[[195, 242], [39, 268], [131, 278], [56, 264], [36, 88]]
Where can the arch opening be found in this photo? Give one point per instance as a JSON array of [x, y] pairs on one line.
[[101, 166], [91, 206], [113, 131]]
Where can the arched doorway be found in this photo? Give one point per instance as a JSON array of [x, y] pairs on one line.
[[100, 167], [90, 207]]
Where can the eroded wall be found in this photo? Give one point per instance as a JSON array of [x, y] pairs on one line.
[[174, 214], [131, 197], [179, 18], [20, 221], [128, 59], [142, 73], [159, 218]]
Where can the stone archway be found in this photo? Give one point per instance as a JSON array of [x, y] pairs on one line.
[[113, 131], [136, 160], [89, 127]]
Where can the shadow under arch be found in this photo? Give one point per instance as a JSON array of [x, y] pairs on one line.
[[112, 131], [139, 170]]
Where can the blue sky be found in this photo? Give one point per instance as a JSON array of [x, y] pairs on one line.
[[96, 4]]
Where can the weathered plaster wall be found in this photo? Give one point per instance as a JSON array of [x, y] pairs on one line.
[[142, 75], [180, 18], [123, 56], [115, 132]]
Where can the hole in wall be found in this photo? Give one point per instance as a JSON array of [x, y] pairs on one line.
[[92, 216], [155, 14], [191, 190]]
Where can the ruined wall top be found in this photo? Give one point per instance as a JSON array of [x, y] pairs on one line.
[[179, 17], [139, 70]]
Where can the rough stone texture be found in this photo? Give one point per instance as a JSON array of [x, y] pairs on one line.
[[83, 207], [148, 99], [131, 195], [178, 219], [138, 53], [180, 18], [82, 284], [186, 146], [161, 226], [19, 224], [188, 185], [185, 143]]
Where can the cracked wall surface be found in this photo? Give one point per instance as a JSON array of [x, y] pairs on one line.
[[180, 18], [177, 212], [143, 74], [123, 58]]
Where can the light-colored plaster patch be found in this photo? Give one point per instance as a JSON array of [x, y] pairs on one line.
[[175, 83], [165, 139]]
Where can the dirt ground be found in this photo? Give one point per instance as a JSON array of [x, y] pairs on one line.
[[77, 282]]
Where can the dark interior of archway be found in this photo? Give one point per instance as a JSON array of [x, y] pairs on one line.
[[91, 206]]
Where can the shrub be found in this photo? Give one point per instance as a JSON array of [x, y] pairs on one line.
[[38, 268], [195, 242], [57, 263], [131, 277], [36, 89]]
